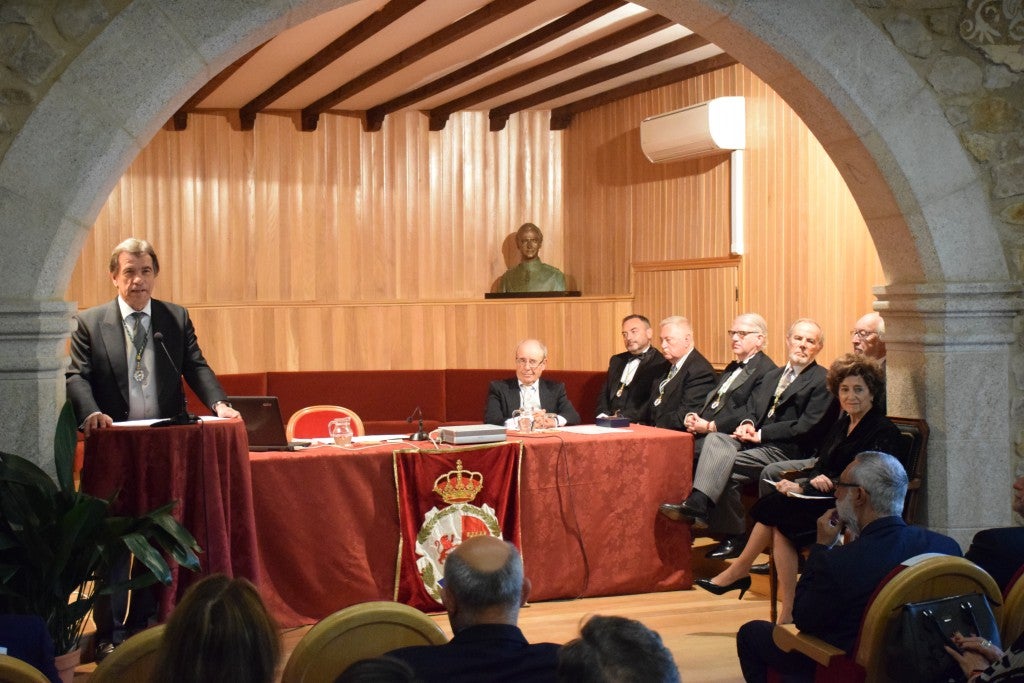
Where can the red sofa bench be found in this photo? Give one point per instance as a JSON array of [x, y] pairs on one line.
[[383, 399]]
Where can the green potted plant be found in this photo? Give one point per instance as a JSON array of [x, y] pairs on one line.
[[57, 544]]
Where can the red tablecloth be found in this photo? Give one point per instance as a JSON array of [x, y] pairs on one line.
[[327, 520], [205, 467]]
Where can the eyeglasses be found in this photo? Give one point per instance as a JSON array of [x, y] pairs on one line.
[[528, 362], [741, 333], [861, 334], [847, 484]]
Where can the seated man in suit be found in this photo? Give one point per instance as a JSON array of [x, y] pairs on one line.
[[725, 406], [867, 339], [631, 373], [786, 418], [1000, 551], [838, 581], [482, 591], [688, 380], [528, 391]]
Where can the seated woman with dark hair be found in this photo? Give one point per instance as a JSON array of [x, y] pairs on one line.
[[220, 631], [791, 522]]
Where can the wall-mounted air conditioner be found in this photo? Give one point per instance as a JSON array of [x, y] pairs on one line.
[[711, 127]]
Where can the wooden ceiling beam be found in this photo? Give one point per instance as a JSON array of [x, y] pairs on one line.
[[356, 35], [499, 115], [562, 116], [374, 117], [179, 120], [459, 29], [439, 115]]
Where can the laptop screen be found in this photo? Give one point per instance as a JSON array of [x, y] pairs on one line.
[[262, 416]]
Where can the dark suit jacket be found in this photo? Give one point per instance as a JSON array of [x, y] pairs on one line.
[[836, 584], [732, 408], [874, 432], [503, 398], [26, 638], [98, 377], [805, 411], [488, 652], [633, 401], [1000, 552], [684, 394]]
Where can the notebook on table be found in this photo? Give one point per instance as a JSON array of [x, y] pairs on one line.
[[263, 423]]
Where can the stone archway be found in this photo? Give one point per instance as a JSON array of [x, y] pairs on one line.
[[950, 317]]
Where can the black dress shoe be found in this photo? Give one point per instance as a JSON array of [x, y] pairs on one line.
[[686, 513], [727, 549], [103, 649], [761, 568], [743, 585]]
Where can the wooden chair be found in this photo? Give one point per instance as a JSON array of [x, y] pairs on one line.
[[133, 660], [13, 670], [913, 454], [1013, 609], [358, 632], [311, 422], [921, 578]]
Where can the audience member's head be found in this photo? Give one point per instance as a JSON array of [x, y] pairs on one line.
[[872, 486], [616, 650], [748, 335], [378, 670], [676, 338], [804, 340], [867, 334], [220, 631], [483, 583]]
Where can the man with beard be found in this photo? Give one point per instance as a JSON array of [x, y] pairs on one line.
[[838, 581], [632, 372]]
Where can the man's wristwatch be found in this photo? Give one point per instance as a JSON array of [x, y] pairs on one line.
[[217, 403]]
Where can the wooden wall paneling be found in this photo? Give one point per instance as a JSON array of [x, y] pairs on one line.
[[705, 296]]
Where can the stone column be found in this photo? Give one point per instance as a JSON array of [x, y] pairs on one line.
[[949, 360], [33, 357]]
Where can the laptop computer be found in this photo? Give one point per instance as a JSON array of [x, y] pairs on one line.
[[262, 416]]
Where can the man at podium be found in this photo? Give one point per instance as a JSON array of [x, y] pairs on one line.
[[128, 356]]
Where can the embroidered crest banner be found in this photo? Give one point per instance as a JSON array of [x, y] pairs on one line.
[[444, 497]]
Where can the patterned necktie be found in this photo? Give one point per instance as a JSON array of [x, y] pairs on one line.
[[787, 378], [139, 335]]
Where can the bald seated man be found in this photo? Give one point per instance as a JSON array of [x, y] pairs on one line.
[[528, 391], [482, 591]]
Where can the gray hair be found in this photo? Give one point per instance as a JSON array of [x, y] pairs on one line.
[[616, 650], [538, 342], [885, 480], [677, 320], [755, 321], [809, 321], [135, 247], [476, 590]]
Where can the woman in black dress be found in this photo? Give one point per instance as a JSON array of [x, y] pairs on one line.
[[786, 516]]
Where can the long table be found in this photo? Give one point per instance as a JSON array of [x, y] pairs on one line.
[[327, 520]]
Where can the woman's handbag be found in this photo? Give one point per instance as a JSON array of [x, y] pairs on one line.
[[915, 650]]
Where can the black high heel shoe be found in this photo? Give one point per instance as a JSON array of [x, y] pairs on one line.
[[742, 584]]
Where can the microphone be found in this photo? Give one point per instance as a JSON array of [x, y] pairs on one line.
[[420, 435], [182, 418]]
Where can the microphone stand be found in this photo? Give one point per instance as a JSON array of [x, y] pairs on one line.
[[420, 435], [184, 417]]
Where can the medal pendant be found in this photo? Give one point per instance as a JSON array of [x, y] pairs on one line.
[[139, 375], [657, 401], [618, 394], [714, 404]]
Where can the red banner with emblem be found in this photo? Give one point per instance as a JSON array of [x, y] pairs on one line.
[[445, 496]]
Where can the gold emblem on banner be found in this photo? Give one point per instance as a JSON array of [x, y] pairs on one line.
[[459, 485]]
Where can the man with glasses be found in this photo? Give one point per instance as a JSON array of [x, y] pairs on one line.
[[632, 372], [689, 378], [527, 391], [838, 580], [725, 406], [785, 419]]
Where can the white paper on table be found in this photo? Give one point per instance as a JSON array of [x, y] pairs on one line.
[[594, 430]]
